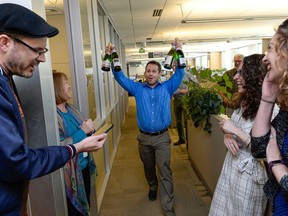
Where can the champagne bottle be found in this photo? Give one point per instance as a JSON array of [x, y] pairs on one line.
[[115, 60], [179, 56], [170, 57], [106, 63]]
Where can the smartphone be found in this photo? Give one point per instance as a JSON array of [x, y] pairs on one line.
[[104, 129], [109, 128]]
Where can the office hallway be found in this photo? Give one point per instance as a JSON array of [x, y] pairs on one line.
[[127, 189]]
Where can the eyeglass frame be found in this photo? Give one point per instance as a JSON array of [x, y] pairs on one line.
[[28, 46]]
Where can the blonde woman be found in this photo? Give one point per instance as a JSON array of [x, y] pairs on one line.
[[79, 171], [270, 140]]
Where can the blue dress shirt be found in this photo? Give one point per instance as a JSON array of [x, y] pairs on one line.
[[153, 104]]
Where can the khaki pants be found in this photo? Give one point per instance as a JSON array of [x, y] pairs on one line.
[[156, 151]]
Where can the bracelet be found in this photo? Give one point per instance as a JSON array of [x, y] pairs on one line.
[[268, 101], [247, 144], [272, 163], [72, 150]]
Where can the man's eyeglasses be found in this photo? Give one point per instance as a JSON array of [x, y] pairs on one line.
[[40, 52]]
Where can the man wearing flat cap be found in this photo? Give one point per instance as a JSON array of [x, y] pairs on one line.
[[23, 37]]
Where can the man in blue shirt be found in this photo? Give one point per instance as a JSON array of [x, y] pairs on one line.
[[154, 117]]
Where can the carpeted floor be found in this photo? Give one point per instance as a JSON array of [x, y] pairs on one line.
[[127, 189]]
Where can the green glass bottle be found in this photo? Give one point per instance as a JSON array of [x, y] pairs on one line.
[[179, 56], [115, 60], [170, 58], [106, 63]]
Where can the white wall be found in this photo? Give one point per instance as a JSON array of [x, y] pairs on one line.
[[137, 70]]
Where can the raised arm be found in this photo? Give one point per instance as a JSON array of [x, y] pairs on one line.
[[262, 124], [261, 128]]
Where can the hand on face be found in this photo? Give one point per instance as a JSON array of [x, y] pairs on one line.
[[271, 82], [87, 126], [269, 89]]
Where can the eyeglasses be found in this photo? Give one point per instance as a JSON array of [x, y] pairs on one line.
[[40, 52]]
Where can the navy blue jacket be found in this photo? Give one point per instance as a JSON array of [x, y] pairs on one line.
[[18, 162]]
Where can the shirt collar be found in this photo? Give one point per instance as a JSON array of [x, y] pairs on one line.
[[158, 83]]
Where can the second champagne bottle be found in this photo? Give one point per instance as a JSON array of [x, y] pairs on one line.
[[179, 55], [115, 60], [170, 58], [106, 63]]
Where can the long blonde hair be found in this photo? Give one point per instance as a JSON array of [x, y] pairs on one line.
[[281, 47]]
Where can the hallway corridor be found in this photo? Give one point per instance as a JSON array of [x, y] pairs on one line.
[[127, 189]]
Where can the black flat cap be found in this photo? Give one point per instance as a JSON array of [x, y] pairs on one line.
[[17, 19]]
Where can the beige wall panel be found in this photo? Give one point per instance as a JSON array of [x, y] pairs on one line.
[[215, 61]]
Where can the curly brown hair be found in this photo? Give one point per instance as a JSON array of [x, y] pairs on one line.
[[253, 72], [281, 48]]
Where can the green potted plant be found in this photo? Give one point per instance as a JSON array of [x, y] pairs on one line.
[[203, 98]]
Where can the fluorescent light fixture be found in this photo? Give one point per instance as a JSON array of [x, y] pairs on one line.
[[233, 19]]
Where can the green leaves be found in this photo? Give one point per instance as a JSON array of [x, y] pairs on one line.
[[204, 100]]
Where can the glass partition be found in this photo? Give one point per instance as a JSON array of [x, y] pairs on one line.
[[86, 28], [104, 35]]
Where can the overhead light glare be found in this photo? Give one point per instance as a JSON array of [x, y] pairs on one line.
[[233, 19]]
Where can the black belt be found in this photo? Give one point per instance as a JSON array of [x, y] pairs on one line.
[[154, 133]]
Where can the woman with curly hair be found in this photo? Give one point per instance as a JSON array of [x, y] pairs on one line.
[[270, 140], [239, 188]]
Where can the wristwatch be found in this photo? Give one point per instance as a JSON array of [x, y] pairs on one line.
[[272, 163]]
